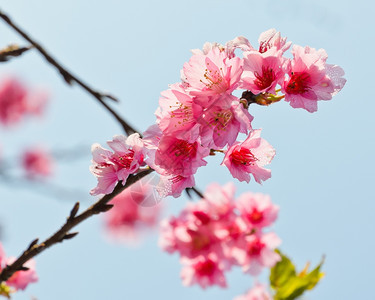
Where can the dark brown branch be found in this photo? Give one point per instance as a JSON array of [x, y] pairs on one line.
[[195, 190], [69, 77], [64, 232], [12, 51]]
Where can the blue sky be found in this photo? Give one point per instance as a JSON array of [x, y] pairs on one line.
[[322, 174]]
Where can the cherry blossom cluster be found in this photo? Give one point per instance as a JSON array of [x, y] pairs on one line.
[[17, 101], [21, 279], [201, 115], [217, 232]]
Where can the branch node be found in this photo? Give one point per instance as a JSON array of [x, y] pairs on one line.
[[32, 244], [22, 268], [69, 236], [106, 207], [109, 96], [74, 211]]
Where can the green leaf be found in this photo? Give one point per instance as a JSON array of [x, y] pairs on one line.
[[282, 271], [287, 284]]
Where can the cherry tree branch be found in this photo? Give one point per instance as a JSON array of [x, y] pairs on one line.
[[64, 233], [70, 77]]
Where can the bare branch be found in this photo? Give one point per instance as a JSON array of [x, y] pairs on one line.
[[63, 233], [69, 77]]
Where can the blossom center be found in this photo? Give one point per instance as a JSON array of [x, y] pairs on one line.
[[124, 160], [214, 79], [298, 83], [219, 120], [183, 149], [205, 268], [255, 216], [265, 79], [183, 113], [243, 156], [264, 46], [255, 247], [202, 217], [199, 241]]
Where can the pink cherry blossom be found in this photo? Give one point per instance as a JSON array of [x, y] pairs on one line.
[[272, 39], [213, 73], [133, 212], [37, 101], [180, 157], [311, 79], [249, 157], [176, 114], [223, 121], [169, 184], [257, 209], [262, 71], [110, 167], [256, 251], [205, 271], [37, 162], [258, 292]]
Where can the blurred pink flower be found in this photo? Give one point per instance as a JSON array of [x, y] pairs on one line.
[[213, 234], [258, 292], [136, 210], [13, 101], [21, 279], [205, 271], [16, 101], [256, 251], [257, 210], [37, 162]]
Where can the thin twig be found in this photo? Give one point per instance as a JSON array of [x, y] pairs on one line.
[[12, 51], [64, 232], [69, 77], [195, 190]]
